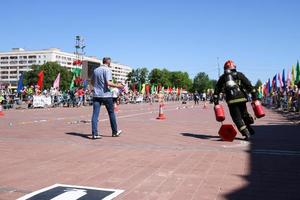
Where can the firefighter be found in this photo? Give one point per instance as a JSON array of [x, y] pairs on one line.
[[236, 87]]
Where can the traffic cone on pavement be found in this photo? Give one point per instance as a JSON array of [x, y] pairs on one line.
[[1, 111], [161, 114]]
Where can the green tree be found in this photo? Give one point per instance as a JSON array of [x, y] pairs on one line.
[[51, 70], [158, 76], [202, 82], [180, 79], [143, 75], [139, 75]]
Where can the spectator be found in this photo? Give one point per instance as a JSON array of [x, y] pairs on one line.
[[80, 94]]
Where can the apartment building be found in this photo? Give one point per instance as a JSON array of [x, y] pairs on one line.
[[19, 60]]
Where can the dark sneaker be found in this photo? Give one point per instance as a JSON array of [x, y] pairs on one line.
[[95, 137], [117, 134]]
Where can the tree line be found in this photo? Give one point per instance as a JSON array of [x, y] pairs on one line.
[[178, 79]]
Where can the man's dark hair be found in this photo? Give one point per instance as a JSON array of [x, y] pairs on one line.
[[105, 59]]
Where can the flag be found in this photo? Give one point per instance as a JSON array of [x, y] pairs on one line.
[[133, 87], [57, 81], [283, 78], [297, 72], [20, 83], [147, 88], [264, 91], [288, 78], [274, 83], [260, 93], [152, 89], [269, 87], [280, 80], [126, 89], [158, 88], [143, 90], [72, 82], [293, 75], [139, 87], [76, 71], [40, 80]]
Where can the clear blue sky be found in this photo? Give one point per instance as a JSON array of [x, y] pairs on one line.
[[261, 36]]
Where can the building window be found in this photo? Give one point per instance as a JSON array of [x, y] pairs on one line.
[[32, 56], [13, 57], [4, 58]]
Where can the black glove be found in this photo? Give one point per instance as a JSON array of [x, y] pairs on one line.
[[254, 96], [216, 99]]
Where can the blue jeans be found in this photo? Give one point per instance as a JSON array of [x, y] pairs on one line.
[[108, 103]]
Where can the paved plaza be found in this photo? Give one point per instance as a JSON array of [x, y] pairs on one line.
[[181, 157]]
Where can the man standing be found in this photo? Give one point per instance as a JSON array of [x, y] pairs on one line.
[[101, 81], [236, 87]]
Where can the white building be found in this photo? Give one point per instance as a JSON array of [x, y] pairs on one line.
[[18, 60]]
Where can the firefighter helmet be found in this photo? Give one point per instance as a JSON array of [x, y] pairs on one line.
[[229, 64]]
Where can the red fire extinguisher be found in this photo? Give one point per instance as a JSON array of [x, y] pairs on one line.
[[258, 109], [219, 112]]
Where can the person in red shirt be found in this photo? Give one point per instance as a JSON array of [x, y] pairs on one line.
[[80, 94]]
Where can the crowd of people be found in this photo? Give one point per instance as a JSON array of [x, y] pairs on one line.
[[287, 99], [77, 97]]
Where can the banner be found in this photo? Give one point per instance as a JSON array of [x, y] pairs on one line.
[[41, 101]]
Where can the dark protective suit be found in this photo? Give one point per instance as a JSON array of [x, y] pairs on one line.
[[235, 85]]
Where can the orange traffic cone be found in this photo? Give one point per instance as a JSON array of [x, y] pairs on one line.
[[161, 114], [1, 111]]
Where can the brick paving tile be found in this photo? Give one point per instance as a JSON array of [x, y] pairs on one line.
[[181, 157]]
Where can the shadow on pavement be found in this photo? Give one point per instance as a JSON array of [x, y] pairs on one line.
[[206, 137], [201, 136], [274, 165], [86, 136]]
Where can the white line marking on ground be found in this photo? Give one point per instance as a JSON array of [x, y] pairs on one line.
[[241, 144]]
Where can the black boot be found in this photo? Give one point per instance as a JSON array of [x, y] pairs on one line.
[[251, 130], [246, 134]]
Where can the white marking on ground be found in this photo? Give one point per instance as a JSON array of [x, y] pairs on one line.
[[241, 144]]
